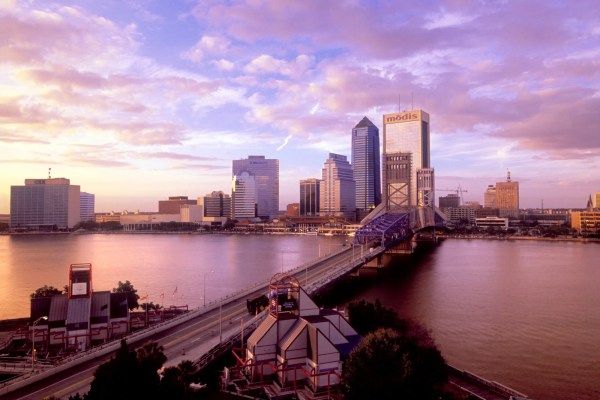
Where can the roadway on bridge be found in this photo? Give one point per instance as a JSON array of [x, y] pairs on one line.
[[192, 337]]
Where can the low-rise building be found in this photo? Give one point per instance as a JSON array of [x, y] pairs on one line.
[[586, 222], [491, 222]]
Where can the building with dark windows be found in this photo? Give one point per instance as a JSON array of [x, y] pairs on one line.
[[366, 164], [87, 203], [310, 193], [338, 189], [450, 200], [243, 196], [216, 204], [44, 204], [173, 205], [405, 151], [265, 172]]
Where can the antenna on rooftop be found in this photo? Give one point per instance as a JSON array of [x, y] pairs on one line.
[[507, 175], [49, 173]]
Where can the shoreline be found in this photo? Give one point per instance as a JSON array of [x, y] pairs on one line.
[[532, 238]]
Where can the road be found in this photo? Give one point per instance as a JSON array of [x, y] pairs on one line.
[[186, 341]]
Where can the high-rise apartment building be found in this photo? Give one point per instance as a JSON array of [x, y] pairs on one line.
[[266, 175], [338, 189], [310, 197], [243, 196], [405, 150], [507, 197], [489, 197], [173, 205], [87, 203], [450, 200], [45, 203], [365, 164], [216, 204]]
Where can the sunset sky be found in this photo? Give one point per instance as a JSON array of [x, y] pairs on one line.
[[139, 100]]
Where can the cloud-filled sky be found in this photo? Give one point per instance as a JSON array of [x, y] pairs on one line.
[[139, 100]]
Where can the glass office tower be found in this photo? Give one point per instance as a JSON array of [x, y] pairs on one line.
[[366, 164]]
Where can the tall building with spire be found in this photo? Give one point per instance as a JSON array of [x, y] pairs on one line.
[[366, 164], [338, 189], [507, 197], [405, 151]]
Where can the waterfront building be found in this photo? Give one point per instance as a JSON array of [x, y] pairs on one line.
[[487, 212], [76, 319], [298, 344], [596, 200], [216, 204], [266, 176], [310, 197], [405, 150], [337, 188], [292, 210], [507, 197], [450, 200], [191, 213], [492, 222], [142, 221], [489, 197], [365, 164], [586, 222], [243, 196], [173, 205], [87, 203], [40, 203], [460, 214]]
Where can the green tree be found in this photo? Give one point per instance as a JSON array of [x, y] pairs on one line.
[[366, 317], [132, 296], [45, 291], [175, 382], [398, 365], [129, 374]]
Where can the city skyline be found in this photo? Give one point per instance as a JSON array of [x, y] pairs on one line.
[[162, 97]]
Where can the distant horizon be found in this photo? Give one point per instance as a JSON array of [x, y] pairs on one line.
[[137, 102]]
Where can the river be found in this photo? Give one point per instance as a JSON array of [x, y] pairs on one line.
[[524, 313]]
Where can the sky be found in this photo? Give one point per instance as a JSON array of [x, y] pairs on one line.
[[136, 101]]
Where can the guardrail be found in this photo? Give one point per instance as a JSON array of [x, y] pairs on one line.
[[106, 348]]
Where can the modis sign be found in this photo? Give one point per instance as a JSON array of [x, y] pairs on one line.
[[401, 117]]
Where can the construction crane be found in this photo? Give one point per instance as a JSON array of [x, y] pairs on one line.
[[459, 191]]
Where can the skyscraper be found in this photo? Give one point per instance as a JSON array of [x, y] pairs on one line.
[[45, 202], [450, 200], [489, 197], [243, 196], [365, 164], [266, 177], [310, 197], [405, 150], [338, 189], [507, 197], [87, 202], [216, 204]]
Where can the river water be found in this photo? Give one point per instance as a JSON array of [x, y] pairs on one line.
[[524, 313]]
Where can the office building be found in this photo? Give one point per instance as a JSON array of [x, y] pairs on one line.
[[596, 200], [405, 150], [338, 189], [492, 222], [507, 197], [87, 203], [450, 200], [460, 214], [243, 196], [292, 210], [266, 177], [586, 222], [365, 164], [216, 204], [310, 197], [45, 203], [489, 197], [173, 205]]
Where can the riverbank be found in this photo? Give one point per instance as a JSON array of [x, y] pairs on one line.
[[530, 238]]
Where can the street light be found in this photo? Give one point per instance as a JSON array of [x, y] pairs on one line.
[[204, 288], [42, 318]]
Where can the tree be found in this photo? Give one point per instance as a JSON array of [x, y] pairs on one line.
[[390, 364], [366, 317], [45, 291], [129, 374], [175, 382], [132, 296]]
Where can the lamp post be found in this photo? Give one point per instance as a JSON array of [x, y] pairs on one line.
[[42, 318], [204, 288]]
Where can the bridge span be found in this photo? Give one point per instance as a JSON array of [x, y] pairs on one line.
[[199, 335]]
